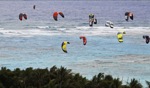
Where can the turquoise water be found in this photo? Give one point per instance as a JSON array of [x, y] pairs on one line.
[[36, 42]]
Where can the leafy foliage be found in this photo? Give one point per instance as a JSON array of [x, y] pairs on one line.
[[59, 78]]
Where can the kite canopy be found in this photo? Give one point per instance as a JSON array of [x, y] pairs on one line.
[[84, 39], [120, 36], [21, 16], [92, 20], [91, 16], [128, 15], [64, 46], [55, 15], [109, 24], [146, 37]]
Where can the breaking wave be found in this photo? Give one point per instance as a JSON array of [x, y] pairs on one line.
[[87, 31]]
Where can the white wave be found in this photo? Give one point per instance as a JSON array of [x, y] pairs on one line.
[[101, 31], [42, 27], [87, 31], [26, 33]]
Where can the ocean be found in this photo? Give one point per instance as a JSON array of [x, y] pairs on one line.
[[36, 42]]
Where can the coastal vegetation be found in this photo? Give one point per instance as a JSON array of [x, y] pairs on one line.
[[59, 78]]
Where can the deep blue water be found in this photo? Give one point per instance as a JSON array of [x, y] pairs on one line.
[[36, 42]]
